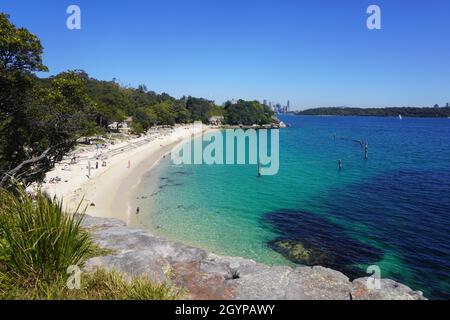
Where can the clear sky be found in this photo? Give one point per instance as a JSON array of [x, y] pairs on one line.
[[313, 52]]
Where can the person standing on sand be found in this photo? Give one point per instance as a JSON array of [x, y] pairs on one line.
[[129, 164], [138, 210]]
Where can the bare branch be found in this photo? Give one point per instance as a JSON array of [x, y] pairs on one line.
[[11, 173]]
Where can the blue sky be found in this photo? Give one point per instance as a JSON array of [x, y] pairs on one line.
[[313, 52]]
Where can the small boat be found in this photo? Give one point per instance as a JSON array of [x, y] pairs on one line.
[[400, 117]]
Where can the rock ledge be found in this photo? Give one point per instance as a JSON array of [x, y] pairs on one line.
[[209, 276]]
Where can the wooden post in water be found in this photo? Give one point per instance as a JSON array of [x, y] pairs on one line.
[[366, 151], [259, 168]]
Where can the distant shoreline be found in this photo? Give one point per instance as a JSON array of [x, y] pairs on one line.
[[406, 112], [363, 116]]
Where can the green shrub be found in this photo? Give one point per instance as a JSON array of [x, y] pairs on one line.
[[38, 240], [137, 128]]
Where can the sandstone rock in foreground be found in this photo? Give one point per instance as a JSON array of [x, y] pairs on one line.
[[209, 276]]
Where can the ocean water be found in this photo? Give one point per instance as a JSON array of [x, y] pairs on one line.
[[391, 210]]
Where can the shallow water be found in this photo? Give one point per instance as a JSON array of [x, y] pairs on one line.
[[391, 210]]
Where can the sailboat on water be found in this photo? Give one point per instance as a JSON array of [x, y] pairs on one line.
[[400, 117]]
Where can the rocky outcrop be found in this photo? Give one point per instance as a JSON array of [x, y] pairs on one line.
[[390, 290], [297, 252], [209, 276]]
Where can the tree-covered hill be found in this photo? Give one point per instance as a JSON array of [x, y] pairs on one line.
[[247, 113], [380, 112]]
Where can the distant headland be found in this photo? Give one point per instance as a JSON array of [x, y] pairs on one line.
[[435, 112]]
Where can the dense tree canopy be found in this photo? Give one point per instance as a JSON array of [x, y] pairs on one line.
[[247, 113], [38, 124], [20, 50], [200, 108]]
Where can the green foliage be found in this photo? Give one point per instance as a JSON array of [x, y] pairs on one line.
[[217, 111], [20, 50], [65, 107], [106, 115], [38, 123], [380, 112], [111, 101], [20, 54], [39, 241], [51, 121], [6, 283], [114, 103], [98, 285], [247, 113], [199, 108], [136, 128], [182, 114], [102, 285], [165, 113], [146, 117]]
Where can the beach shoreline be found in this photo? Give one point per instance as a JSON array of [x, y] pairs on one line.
[[108, 191]]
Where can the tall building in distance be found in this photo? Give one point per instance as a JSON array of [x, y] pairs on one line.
[[277, 107], [447, 105]]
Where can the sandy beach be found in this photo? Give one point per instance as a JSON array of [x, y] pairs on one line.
[[107, 190]]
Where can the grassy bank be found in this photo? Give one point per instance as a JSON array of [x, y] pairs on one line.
[[97, 285]]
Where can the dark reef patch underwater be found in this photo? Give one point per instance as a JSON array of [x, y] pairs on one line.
[[309, 239], [399, 220]]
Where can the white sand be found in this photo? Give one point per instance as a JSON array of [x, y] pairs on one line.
[[107, 191]]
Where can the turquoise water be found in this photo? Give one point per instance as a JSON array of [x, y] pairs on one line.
[[391, 210]]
